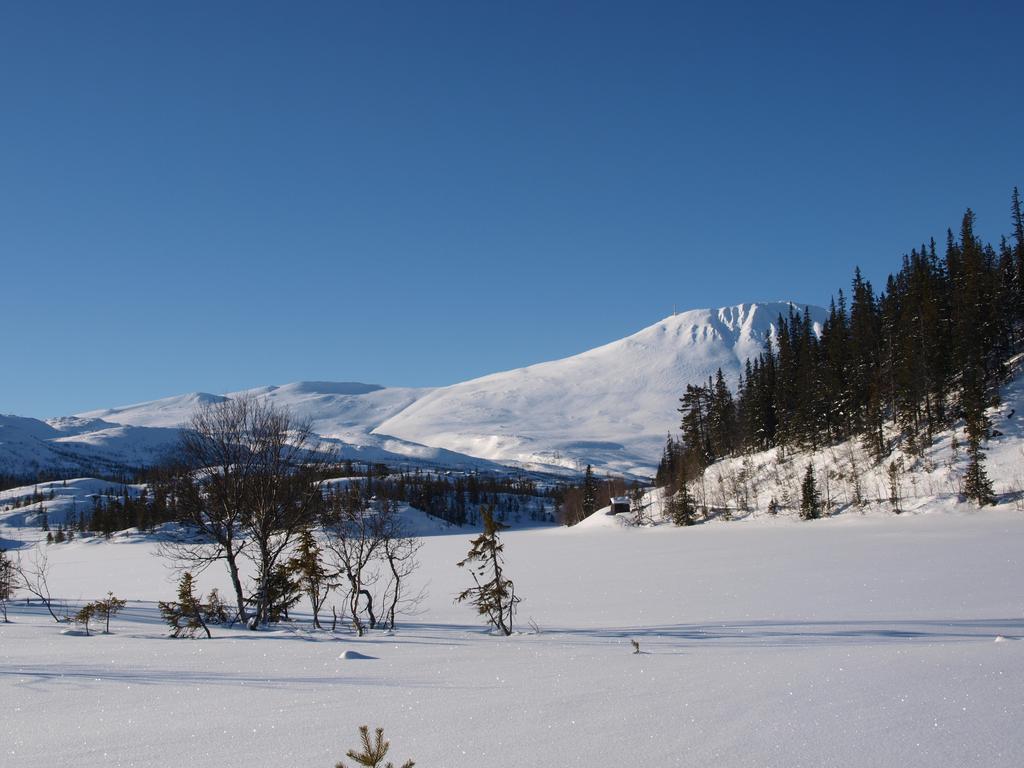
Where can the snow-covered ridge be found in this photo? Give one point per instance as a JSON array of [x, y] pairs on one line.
[[609, 406]]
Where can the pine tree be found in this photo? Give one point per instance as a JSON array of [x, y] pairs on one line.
[[695, 406], [215, 610], [977, 485], [722, 418], [308, 571], [85, 615], [373, 753], [283, 592], [810, 499], [109, 606], [185, 617], [667, 465], [494, 595], [683, 511], [1018, 249], [589, 503]]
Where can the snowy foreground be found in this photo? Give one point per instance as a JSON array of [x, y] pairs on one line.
[[851, 641]]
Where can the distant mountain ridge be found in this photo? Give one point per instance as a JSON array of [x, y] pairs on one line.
[[610, 406]]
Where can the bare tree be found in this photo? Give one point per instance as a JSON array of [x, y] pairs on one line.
[[214, 532], [8, 582], [369, 547], [34, 575], [251, 485], [355, 537], [638, 507], [398, 550]]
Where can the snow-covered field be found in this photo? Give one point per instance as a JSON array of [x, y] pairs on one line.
[[851, 641], [863, 639]]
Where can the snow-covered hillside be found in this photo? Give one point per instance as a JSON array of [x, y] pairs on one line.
[[71, 444], [922, 480], [103, 441], [610, 407]]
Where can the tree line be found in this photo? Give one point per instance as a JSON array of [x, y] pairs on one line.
[[928, 350]]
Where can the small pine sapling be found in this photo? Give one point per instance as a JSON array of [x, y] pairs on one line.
[[185, 617], [215, 610], [110, 606], [85, 615], [372, 754]]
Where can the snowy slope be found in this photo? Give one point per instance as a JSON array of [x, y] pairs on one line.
[[166, 412], [28, 446], [610, 406], [927, 480]]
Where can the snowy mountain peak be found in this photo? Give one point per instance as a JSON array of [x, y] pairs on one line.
[[610, 406], [739, 322]]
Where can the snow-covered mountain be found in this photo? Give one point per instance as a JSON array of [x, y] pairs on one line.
[[93, 446], [610, 407]]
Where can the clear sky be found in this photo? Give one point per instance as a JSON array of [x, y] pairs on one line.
[[213, 195]]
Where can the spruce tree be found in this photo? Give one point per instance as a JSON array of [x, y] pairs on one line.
[[308, 571], [1018, 249], [977, 485], [683, 510], [185, 617], [722, 418], [810, 500], [589, 504], [494, 595], [695, 407]]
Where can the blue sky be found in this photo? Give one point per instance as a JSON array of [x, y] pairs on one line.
[[212, 196]]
